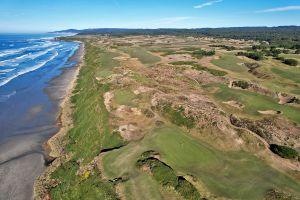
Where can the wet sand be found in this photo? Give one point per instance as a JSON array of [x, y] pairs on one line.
[[22, 155]]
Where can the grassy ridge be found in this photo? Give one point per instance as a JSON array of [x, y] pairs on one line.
[[91, 132]]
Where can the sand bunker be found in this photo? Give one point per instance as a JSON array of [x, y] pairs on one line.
[[269, 112]]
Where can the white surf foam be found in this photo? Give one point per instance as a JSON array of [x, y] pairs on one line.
[[18, 60], [29, 69], [45, 44], [7, 70]]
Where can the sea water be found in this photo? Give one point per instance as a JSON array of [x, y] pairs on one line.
[[27, 64], [31, 67]]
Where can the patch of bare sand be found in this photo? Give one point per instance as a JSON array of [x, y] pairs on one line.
[[269, 112], [131, 122], [234, 104], [206, 61], [177, 57], [108, 97]]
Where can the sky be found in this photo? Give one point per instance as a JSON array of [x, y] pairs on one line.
[[51, 15]]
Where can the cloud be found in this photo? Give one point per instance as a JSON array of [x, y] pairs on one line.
[[207, 4], [280, 9]]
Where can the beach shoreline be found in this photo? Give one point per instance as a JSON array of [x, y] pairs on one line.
[[53, 147], [23, 157]]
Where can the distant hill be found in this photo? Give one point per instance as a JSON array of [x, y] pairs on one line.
[[281, 35]]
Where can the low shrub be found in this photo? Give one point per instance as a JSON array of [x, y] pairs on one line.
[[200, 53], [241, 84], [166, 176], [228, 48], [255, 55], [187, 190], [291, 62], [177, 116], [183, 63], [284, 151]]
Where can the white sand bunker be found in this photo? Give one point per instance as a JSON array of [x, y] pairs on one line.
[[269, 112], [108, 96]]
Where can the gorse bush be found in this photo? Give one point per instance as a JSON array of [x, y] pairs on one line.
[[284, 151], [177, 116], [255, 55], [201, 53], [183, 63], [186, 189], [241, 84], [166, 176], [291, 62]]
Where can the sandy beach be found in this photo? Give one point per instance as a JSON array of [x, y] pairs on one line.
[[22, 157], [54, 146]]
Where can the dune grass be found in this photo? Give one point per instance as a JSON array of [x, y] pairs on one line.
[[254, 102], [230, 62], [91, 132], [73, 187], [142, 54]]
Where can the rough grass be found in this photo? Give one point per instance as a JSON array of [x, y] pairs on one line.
[[254, 102], [74, 187], [230, 62], [91, 132], [142, 54]]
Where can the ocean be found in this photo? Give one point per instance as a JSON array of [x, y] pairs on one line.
[[34, 76]]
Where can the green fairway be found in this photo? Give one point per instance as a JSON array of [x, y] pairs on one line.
[[124, 97], [142, 54], [255, 102], [107, 63], [291, 74], [230, 62], [237, 175]]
